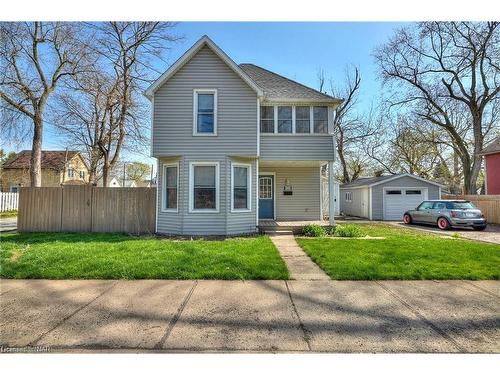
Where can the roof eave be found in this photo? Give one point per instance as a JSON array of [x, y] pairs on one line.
[[332, 101]]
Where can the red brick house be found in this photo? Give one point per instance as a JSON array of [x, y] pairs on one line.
[[491, 155]]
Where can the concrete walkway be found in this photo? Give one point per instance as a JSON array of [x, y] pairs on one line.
[[250, 316], [299, 265]]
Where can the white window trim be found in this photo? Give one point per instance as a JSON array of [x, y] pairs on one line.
[[164, 188], [294, 119], [348, 196], [71, 173], [192, 164], [249, 187], [195, 112]]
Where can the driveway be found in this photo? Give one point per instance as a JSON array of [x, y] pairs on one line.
[[490, 234], [8, 224], [250, 316]]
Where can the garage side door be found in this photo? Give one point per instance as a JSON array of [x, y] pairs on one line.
[[399, 200]]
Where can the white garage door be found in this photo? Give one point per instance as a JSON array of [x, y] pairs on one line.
[[399, 200]]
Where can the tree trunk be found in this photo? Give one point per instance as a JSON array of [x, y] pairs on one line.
[[105, 172], [36, 152]]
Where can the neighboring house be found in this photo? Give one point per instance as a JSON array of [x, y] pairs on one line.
[[112, 183], [236, 144], [491, 155], [58, 168], [146, 183], [129, 183], [386, 197]]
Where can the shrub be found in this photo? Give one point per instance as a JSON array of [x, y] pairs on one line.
[[349, 230], [313, 230]]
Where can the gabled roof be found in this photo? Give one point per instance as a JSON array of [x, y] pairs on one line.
[[372, 181], [492, 148], [50, 159], [264, 82], [202, 42], [279, 88]]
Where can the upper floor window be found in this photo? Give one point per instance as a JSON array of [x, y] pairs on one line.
[[71, 173], [267, 119], [302, 119], [348, 196], [82, 175], [205, 112], [284, 119], [320, 118], [204, 186]]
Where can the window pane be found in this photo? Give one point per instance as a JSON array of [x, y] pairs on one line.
[[171, 199], [171, 176], [205, 103], [205, 123], [393, 192], [413, 192], [284, 119], [240, 176], [240, 197], [204, 198], [302, 126], [320, 116], [267, 119], [204, 176], [302, 113], [267, 112], [267, 126]]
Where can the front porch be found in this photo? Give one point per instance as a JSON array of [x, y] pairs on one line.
[[292, 194]]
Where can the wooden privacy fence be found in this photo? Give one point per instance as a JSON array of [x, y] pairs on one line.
[[8, 201], [488, 204], [86, 209]]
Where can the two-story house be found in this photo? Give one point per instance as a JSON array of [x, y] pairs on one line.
[[58, 168], [236, 144]]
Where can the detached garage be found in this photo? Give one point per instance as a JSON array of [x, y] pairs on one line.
[[386, 197]]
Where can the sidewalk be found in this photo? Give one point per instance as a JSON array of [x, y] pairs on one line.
[[251, 316]]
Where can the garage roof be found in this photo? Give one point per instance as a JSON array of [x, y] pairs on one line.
[[372, 181]]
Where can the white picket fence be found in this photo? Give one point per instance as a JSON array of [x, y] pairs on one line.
[[8, 201]]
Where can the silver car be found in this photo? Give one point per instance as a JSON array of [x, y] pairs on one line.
[[446, 214]]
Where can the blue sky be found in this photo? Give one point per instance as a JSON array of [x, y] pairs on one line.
[[296, 50]]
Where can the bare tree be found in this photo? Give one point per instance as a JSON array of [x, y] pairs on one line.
[[350, 126], [114, 110], [443, 71], [35, 58]]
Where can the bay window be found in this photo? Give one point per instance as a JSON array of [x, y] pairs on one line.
[[284, 119], [241, 186], [170, 186], [204, 186], [205, 112], [302, 119], [320, 118]]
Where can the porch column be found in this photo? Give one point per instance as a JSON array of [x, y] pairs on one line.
[[331, 194]]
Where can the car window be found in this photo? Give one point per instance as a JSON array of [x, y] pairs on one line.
[[440, 206], [462, 205], [425, 205]]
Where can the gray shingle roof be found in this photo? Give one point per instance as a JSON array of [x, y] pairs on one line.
[[279, 87], [492, 148], [365, 181]]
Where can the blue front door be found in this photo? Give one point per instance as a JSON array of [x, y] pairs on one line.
[[266, 197]]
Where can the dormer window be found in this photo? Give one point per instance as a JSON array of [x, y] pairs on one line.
[[205, 112]]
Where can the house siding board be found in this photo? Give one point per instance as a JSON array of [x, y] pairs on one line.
[[405, 182], [304, 203], [296, 147], [355, 207], [173, 111]]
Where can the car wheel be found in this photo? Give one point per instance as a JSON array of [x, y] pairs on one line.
[[479, 228], [407, 219], [443, 223]]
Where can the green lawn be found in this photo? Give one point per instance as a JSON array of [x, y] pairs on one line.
[[405, 254], [118, 256]]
